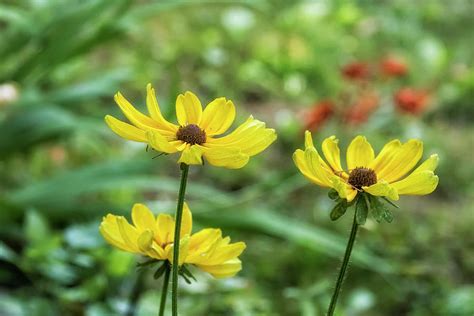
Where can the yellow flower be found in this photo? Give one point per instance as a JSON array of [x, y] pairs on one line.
[[381, 175], [154, 237], [196, 134]]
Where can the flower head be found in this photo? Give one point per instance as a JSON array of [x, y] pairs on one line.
[[356, 71], [411, 100], [198, 132], [318, 114], [382, 175], [393, 67], [154, 236]]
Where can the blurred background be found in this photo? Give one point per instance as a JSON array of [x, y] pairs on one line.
[[395, 69]]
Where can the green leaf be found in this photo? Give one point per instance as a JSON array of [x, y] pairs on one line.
[[333, 195], [388, 216], [338, 210], [159, 272], [380, 210], [362, 210]]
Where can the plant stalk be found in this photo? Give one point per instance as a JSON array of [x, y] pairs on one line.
[[345, 263], [164, 290], [177, 231]]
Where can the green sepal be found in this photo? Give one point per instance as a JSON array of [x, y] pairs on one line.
[[379, 210], [333, 195], [147, 263], [161, 270], [338, 210], [361, 209], [186, 274], [390, 202]]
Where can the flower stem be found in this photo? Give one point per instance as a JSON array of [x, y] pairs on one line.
[[164, 290], [345, 263], [177, 231]]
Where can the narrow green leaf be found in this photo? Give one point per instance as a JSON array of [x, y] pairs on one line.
[[338, 210], [362, 209]]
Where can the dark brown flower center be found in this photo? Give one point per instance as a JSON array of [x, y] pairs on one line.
[[362, 177], [191, 134]]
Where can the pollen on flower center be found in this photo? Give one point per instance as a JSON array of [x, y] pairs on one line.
[[362, 177], [191, 134]]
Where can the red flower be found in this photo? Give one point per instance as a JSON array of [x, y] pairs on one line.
[[411, 100], [362, 108], [318, 114], [356, 71], [393, 67]]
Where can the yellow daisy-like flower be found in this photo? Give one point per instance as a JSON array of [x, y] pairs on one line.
[[154, 236], [381, 175], [197, 133]]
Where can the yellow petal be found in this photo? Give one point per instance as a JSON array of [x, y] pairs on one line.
[[405, 158], [224, 270], [351, 194], [417, 183], [429, 164], [308, 140], [154, 110], [164, 229], [187, 221], [202, 240], [252, 137], [125, 130], [382, 188], [226, 253], [192, 155], [231, 158], [128, 232], [359, 153], [218, 116], [188, 109], [300, 162], [332, 154], [142, 217], [313, 162], [159, 143], [137, 118], [110, 231], [183, 250], [344, 190], [385, 156], [145, 240]]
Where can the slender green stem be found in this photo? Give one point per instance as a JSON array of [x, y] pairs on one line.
[[345, 263], [177, 231], [164, 290]]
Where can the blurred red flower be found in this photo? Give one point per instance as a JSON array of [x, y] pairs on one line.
[[318, 114], [393, 67], [356, 71], [411, 100], [360, 111]]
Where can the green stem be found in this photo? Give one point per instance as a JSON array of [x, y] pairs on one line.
[[345, 263], [164, 290], [177, 231]]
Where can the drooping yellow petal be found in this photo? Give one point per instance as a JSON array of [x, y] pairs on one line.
[[145, 240], [154, 110], [226, 253], [164, 229], [300, 162], [231, 158], [332, 154], [159, 143], [218, 116], [417, 183], [313, 162], [359, 153], [382, 188], [187, 221], [142, 217], [188, 109], [191, 155], [183, 250], [125, 130], [252, 137], [344, 190], [404, 159], [226, 269]]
